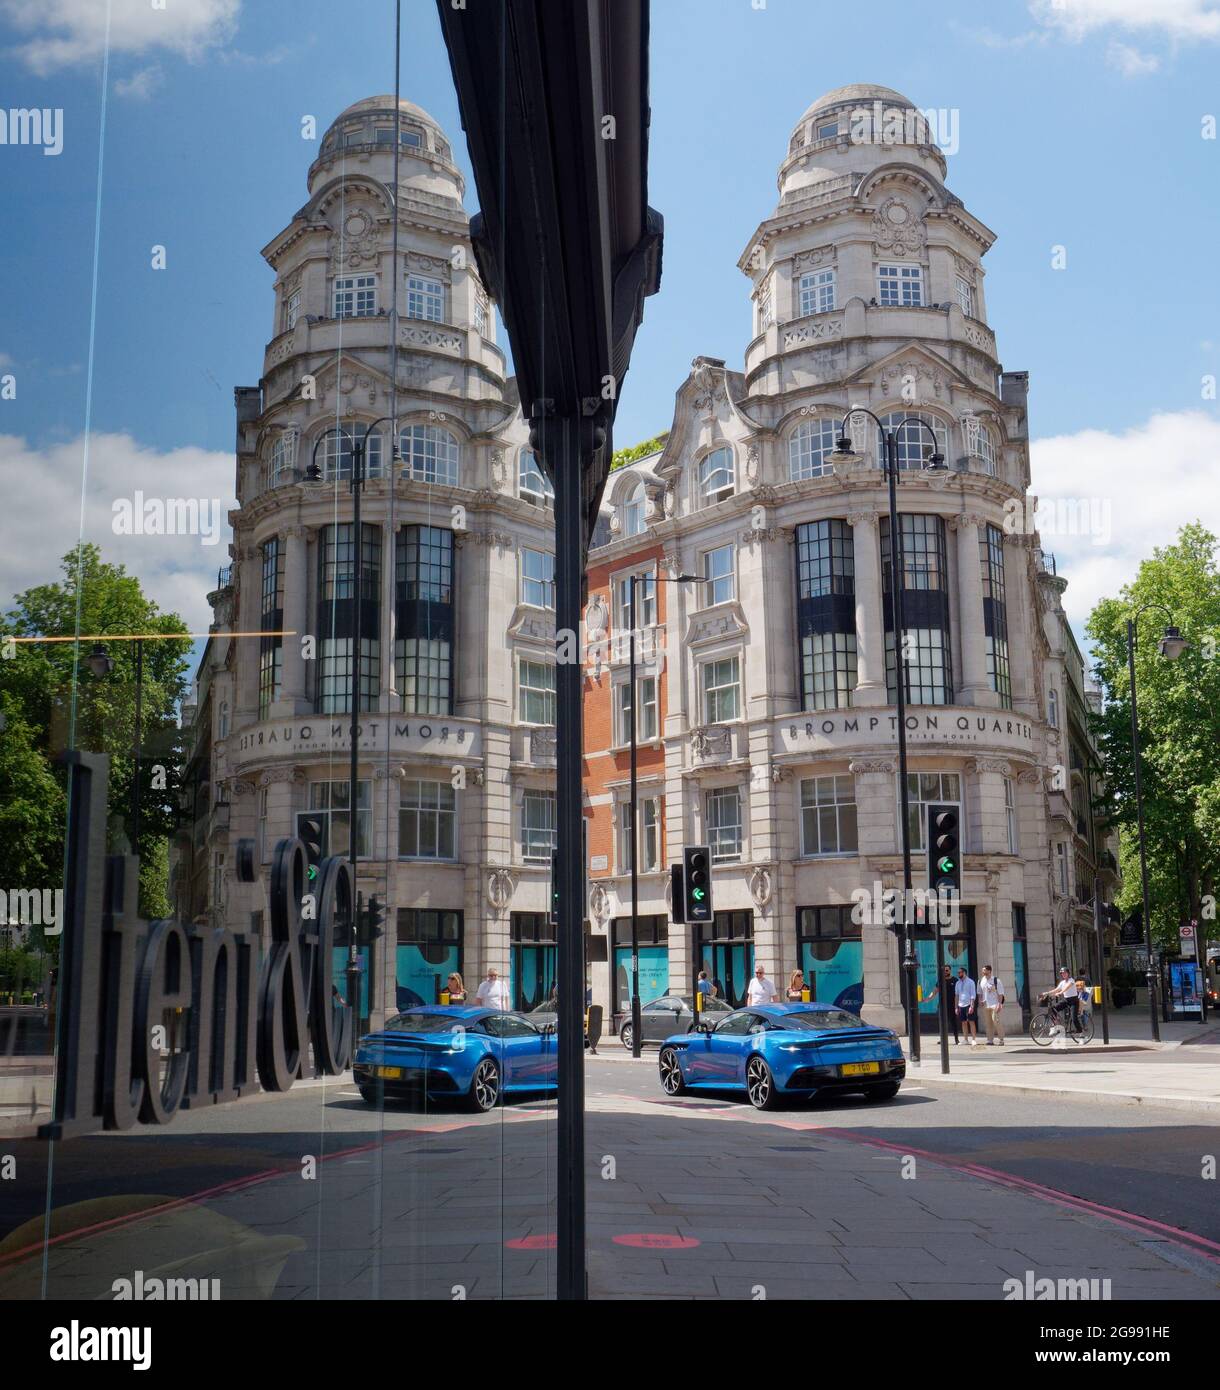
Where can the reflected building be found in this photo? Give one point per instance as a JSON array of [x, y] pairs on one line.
[[454, 808], [768, 722]]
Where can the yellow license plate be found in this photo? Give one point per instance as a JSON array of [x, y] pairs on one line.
[[859, 1068], [390, 1073]]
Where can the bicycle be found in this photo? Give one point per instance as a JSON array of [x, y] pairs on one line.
[[1044, 1028]]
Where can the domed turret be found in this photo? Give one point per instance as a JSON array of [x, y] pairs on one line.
[[855, 129], [363, 135]]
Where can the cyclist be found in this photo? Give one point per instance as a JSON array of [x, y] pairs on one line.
[[1064, 998]]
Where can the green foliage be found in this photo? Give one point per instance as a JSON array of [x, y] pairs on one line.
[[1179, 720], [621, 457], [52, 701]]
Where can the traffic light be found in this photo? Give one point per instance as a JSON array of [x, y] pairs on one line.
[[371, 922], [309, 832], [697, 883], [944, 850], [677, 905]]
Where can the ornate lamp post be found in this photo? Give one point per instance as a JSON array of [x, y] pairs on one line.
[[934, 462]]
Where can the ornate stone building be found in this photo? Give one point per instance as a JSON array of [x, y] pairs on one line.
[[775, 699], [454, 807]]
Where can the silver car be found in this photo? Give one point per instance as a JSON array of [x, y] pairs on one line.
[[672, 1013]]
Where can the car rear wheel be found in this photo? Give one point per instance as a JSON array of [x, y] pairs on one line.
[[887, 1090], [624, 1036], [368, 1094], [484, 1087], [760, 1084], [671, 1073]]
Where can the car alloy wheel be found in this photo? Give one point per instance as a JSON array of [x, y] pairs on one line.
[[671, 1073], [625, 1036], [485, 1088], [759, 1085]]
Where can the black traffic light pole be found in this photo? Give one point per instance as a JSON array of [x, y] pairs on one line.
[[939, 841]]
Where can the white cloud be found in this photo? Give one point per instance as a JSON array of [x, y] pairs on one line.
[[63, 33], [1174, 19], [42, 509], [1143, 485], [1130, 61], [140, 85]]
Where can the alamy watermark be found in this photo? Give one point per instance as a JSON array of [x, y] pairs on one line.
[[167, 516], [879, 124], [33, 907], [43, 126]]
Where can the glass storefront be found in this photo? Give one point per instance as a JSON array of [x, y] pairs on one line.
[[724, 947], [831, 956]]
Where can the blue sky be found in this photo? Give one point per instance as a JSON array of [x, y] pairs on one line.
[[1079, 126]]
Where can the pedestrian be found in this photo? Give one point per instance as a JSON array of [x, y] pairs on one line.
[[796, 987], [761, 990], [965, 998], [457, 990], [493, 992], [991, 1000], [944, 990]]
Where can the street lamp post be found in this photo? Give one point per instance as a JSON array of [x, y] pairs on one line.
[[358, 449], [1171, 646], [935, 462]]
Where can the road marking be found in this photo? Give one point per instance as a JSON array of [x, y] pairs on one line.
[[656, 1240]]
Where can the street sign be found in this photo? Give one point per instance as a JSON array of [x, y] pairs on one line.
[[1186, 940]]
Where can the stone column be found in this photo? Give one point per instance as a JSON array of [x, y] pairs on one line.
[[973, 687], [870, 628], [877, 824], [1021, 601], [296, 617]]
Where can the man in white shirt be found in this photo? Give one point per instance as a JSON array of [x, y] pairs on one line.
[[965, 997], [761, 990], [493, 992], [991, 1000], [1064, 994]]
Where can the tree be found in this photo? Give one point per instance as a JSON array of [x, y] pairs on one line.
[[53, 701], [1179, 717]]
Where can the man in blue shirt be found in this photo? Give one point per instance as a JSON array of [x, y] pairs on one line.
[[965, 996]]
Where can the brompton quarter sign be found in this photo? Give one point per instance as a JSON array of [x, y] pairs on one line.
[[157, 1016], [865, 728]]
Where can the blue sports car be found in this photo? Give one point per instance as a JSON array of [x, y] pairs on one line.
[[475, 1055], [778, 1050]]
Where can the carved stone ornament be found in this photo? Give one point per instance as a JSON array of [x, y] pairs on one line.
[[1030, 777], [274, 775], [709, 383], [760, 886], [815, 256], [599, 904], [765, 495], [499, 888], [239, 788], [977, 765], [670, 502], [596, 616], [908, 376], [713, 741], [863, 519], [753, 466], [897, 228], [873, 765]]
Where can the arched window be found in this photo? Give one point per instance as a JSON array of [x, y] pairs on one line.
[[335, 455], [430, 454], [979, 442], [222, 721], [717, 476], [914, 446], [1052, 707], [282, 462], [533, 485], [811, 447], [633, 511]]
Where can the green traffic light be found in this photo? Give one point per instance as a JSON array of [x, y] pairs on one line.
[[945, 865], [313, 872], [698, 895]]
